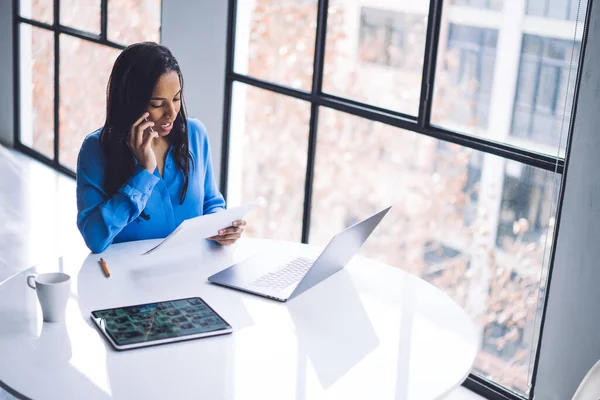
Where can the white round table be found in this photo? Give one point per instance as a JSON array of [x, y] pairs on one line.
[[370, 331]]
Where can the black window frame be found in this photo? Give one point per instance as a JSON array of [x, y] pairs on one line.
[[58, 29], [420, 124]]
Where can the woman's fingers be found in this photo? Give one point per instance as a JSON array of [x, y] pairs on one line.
[[230, 230], [233, 236], [148, 139], [139, 133], [139, 121]]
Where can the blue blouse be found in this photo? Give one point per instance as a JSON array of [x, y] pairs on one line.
[[103, 220]]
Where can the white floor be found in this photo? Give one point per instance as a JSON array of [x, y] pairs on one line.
[[38, 210]]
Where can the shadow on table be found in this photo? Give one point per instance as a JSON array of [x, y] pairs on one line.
[[187, 369], [333, 328]]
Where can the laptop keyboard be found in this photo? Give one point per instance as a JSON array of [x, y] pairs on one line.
[[291, 273]]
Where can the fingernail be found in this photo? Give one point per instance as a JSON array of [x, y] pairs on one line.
[[220, 232], [235, 224]]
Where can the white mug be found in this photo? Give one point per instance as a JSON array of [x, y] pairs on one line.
[[52, 292]]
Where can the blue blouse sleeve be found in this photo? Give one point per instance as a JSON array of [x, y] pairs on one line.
[[101, 217], [213, 199]]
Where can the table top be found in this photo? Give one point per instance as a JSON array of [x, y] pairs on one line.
[[371, 331]]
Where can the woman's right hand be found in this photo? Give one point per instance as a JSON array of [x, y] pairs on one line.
[[140, 143]]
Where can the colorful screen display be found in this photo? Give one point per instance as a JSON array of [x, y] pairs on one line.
[[162, 320]]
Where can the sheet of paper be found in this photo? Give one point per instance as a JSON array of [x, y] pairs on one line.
[[202, 227]]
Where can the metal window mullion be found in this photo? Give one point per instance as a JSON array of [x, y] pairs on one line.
[[104, 19], [366, 111], [432, 39], [317, 90], [310, 168], [227, 106], [67, 30], [56, 82], [16, 74]]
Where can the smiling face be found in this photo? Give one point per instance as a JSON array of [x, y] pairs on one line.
[[165, 103]]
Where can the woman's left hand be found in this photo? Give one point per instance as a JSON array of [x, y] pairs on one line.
[[230, 235]]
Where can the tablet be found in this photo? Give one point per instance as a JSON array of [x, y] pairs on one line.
[[151, 324]]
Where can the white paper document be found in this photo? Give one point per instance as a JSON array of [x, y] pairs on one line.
[[202, 227]]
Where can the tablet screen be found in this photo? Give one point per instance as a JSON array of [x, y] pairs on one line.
[[162, 320]]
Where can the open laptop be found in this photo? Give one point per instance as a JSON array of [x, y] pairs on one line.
[[284, 281]]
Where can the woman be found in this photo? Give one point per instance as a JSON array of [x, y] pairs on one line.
[[149, 167]]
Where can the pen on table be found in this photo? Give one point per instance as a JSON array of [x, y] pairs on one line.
[[104, 267]]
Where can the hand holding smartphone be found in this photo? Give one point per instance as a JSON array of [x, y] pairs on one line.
[[140, 142]]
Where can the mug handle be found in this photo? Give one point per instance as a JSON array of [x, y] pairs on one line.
[[29, 282]]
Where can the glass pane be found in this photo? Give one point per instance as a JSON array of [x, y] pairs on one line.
[[81, 14], [267, 158], [536, 7], [489, 4], [37, 89], [375, 55], [543, 89], [576, 6], [132, 21], [275, 41], [83, 83], [470, 56], [495, 81], [39, 10], [558, 9], [472, 224]]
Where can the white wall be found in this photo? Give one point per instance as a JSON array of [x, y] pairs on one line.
[[6, 74], [571, 339], [196, 33]]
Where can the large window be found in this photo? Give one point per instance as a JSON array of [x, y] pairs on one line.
[[65, 55], [456, 115]]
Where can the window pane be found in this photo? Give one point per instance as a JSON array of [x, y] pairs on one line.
[[275, 41], [132, 21], [375, 55], [472, 224], [495, 81], [574, 6], [267, 158], [489, 4], [463, 88], [536, 7], [543, 88], [39, 10], [37, 89], [83, 81], [81, 14], [557, 9]]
